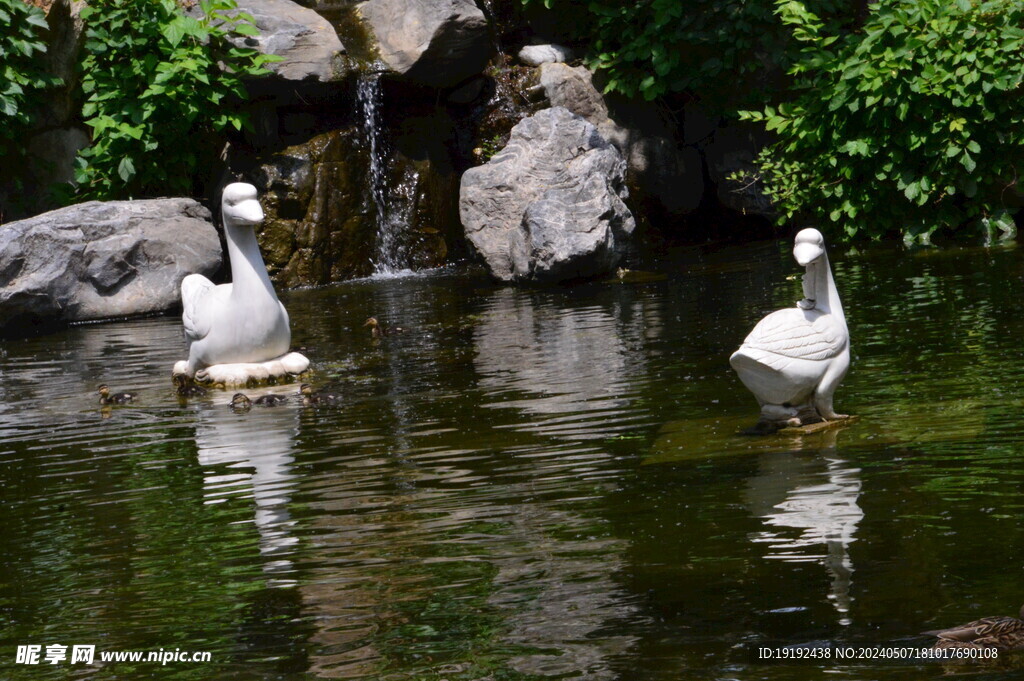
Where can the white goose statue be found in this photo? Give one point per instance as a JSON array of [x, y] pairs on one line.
[[795, 358], [237, 331]]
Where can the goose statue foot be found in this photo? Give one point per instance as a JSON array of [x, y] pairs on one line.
[[283, 369], [776, 417], [238, 333], [794, 359]]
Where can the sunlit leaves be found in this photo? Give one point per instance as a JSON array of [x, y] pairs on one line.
[[921, 107], [158, 79]]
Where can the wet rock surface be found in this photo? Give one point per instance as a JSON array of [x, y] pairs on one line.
[[101, 260], [321, 222]]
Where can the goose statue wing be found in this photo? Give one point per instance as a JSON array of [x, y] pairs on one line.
[[196, 317], [795, 334]]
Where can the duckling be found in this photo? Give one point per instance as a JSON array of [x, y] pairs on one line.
[[378, 330], [184, 386], [1002, 633], [310, 398], [116, 398], [239, 402], [270, 400]]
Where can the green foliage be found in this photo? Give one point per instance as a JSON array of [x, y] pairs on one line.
[[21, 79], [491, 146], [721, 49], [158, 84], [913, 124]]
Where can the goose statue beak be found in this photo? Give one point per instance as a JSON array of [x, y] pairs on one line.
[[248, 211], [807, 253], [808, 246], [239, 202]]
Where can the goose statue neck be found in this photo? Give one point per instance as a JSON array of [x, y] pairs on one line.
[[819, 287], [237, 331], [794, 359], [249, 277]]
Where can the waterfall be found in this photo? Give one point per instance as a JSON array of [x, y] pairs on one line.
[[392, 191]]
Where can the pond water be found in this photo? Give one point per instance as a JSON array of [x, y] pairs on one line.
[[527, 484]]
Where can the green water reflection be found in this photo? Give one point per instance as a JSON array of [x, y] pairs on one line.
[[526, 484]]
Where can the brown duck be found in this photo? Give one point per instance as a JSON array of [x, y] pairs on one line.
[[106, 397], [1001, 633]]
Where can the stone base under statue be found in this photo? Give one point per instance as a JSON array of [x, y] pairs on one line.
[[283, 369], [811, 428], [802, 420]]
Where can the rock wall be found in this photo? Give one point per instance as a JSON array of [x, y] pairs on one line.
[[58, 133], [661, 171], [451, 92], [321, 223]]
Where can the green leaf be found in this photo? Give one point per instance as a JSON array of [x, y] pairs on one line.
[[968, 162], [174, 32], [126, 169], [249, 30], [35, 18], [8, 106]]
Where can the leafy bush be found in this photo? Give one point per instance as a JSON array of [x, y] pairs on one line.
[[21, 79], [913, 124], [721, 49], [158, 85]]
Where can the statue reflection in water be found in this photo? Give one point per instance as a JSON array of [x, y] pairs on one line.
[[252, 453], [808, 504]]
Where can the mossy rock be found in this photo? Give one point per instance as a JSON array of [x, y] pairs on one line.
[[321, 225]]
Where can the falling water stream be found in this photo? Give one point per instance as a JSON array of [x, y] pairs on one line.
[[392, 191]]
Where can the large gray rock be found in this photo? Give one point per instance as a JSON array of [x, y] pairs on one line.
[[659, 168], [98, 260], [550, 206], [431, 42], [307, 43]]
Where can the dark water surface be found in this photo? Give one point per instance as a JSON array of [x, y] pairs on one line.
[[527, 484]]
